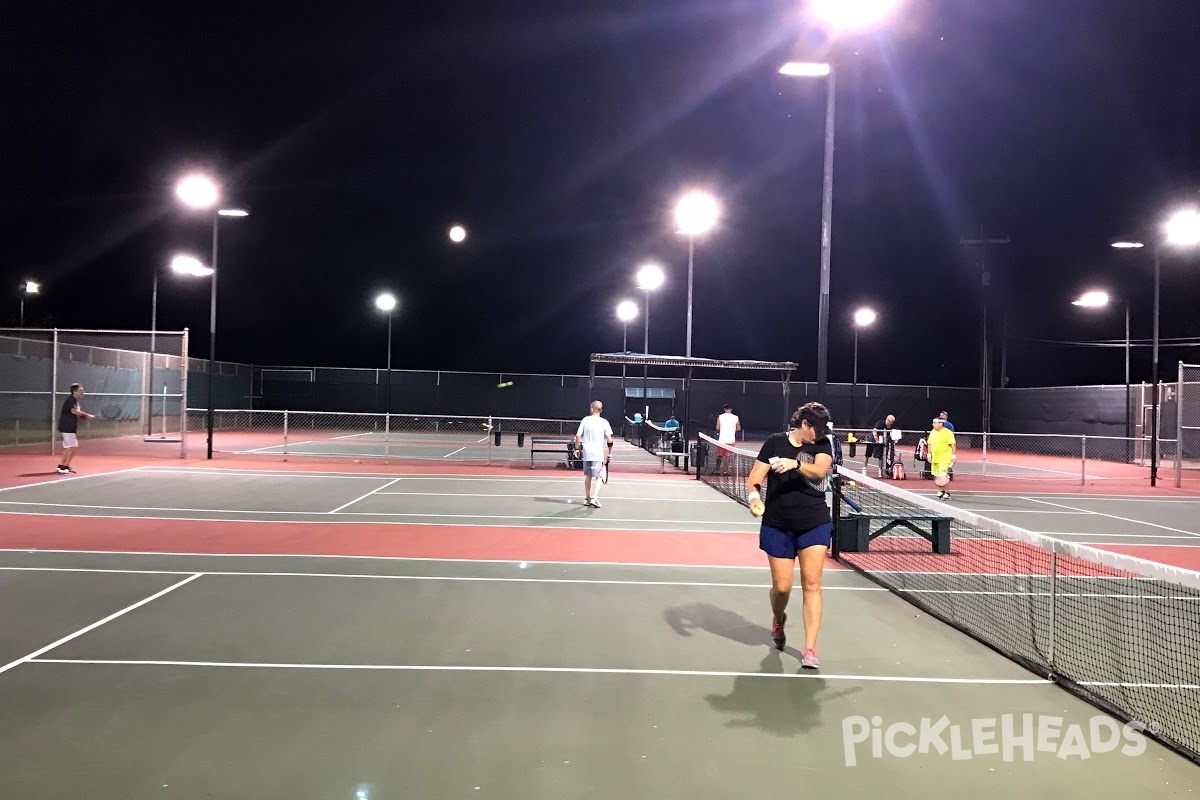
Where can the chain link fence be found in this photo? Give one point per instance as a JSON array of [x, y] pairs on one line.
[[1080, 459], [386, 437], [134, 383], [1187, 421]]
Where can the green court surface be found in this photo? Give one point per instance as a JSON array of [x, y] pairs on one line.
[[176, 676]]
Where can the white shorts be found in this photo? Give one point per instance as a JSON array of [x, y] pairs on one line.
[[70, 440], [593, 468]]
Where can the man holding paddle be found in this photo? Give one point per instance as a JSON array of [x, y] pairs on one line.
[[593, 433]]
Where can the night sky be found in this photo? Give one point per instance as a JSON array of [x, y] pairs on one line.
[[561, 134]]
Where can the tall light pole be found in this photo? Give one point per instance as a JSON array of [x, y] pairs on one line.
[[649, 278], [695, 214], [837, 16], [386, 302], [28, 289], [181, 264], [1099, 299], [806, 69], [1182, 229], [626, 312], [201, 192], [863, 318]]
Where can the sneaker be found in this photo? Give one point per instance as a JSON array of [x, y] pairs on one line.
[[594, 503], [62, 470], [778, 637], [808, 659]]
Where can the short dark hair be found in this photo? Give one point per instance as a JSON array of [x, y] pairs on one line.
[[728, 406], [75, 386], [815, 414]]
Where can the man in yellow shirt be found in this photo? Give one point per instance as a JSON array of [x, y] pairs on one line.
[[941, 455]]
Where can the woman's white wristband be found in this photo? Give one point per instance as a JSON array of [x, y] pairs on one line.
[[752, 496]]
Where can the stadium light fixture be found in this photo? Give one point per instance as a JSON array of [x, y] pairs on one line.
[[31, 287], [233, 212], [386, 302], [198, 191], [458, 234], [695, 214], [842, 15], [627, 310], [805, 69], [864, 317], [190, 265], [1183, 228], [1092, 299], [650, 277]]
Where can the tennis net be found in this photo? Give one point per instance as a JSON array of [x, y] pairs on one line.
[[1122, 633], [725, 467]]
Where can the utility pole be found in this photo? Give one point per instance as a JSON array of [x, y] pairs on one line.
[[985, 280]]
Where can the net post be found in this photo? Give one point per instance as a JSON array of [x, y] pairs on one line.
[[1180, 408], [985, 444], [183, 405], [835, 513], [1083, 458], [285, 434], [1053, 601], [387, 434], [54, 390]]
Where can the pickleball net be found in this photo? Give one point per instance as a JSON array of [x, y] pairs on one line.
[[1122, 633], [725, 467]]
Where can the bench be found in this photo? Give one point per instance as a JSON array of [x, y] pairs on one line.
[[552, 444], [854, 530]]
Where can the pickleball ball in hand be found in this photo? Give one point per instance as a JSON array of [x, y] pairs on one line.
[[757, 508]]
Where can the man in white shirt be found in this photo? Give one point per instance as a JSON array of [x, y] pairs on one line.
[[728, 426], [594, 433]]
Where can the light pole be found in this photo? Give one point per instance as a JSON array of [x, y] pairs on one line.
[[180, 265], [837, 16], [28, 288], [649, 278], [200, 192], [1182, 229], [695, 214], [626, 312], [1099, 299], [386, 302], [863, 317]]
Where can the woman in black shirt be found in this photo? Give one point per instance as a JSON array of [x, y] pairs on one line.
[[795, 517]]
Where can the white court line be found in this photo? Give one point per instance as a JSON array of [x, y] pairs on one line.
[[718, 500], [974, 510], [266, 448], [591, 581], [447, 578], [342, 519], [65, 479], [424, 476], [567, 670], [1134, 536], [456, 452], [529, 519], [509, 562], [1114, 516], [365, 496], [95, 625]]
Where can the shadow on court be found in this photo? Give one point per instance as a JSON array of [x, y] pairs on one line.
[[780, 708], [726, 624]]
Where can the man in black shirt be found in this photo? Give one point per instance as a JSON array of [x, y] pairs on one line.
[[68, 426], [796, 522]]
